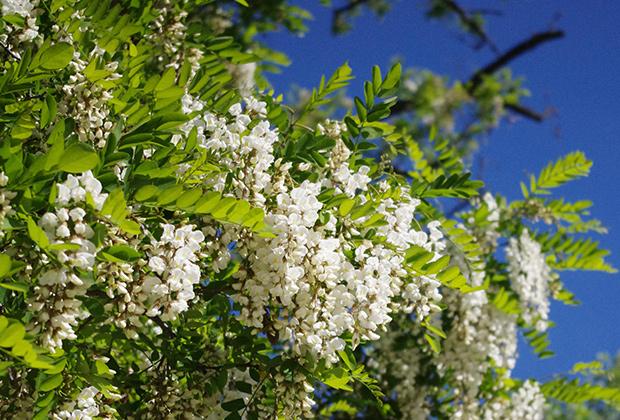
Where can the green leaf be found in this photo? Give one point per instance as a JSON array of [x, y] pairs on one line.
[[565, 169], [16, 286], [435, 330], [58, 56], [115, 207], [188, 198], [167, 80], [12, 334], [57, 141], [338, 378], [393, 77], [348, 358], [433, 342], [223, 207], [346, 206], [146, 192], [5, 265], [120, 253], [51, 383], [37, 234], [78, 158], [234, 405], [338, 80], [437, 265]]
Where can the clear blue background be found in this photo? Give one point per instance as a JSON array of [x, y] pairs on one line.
[[578, 76]]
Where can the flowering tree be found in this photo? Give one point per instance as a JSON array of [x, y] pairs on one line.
[[178, 243]]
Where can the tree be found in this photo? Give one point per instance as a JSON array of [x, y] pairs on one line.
[[179, 243]]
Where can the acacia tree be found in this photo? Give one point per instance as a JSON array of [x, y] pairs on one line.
[[178, 243]]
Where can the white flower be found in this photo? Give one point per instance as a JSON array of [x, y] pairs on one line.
[[17, 7], [173, 258], [530, 276]]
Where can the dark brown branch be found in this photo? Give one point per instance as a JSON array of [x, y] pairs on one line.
[[525, 112], [505, 58], [165, 328], [513, 53], [471, 24], [337, 13]]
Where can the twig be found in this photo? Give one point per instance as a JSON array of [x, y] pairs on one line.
[[471, 24], [258, 387], [337, 13], [165, 328], [505, 58], [525, 112], [514, 52]]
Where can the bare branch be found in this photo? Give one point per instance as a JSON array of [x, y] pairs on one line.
[[525, 112], [471, 24], [513, 53]]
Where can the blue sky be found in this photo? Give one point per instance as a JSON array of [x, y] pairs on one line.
[[577, 75]]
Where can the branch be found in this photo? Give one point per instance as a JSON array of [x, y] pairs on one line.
[[525, 112], [505, 58], [337, 13], [165, 328], [513, 53], [471, 24]]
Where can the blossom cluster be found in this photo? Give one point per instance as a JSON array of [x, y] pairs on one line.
[[87, 102], [5, 200], [27, 10], [530, 276], [172, 260], [65, 278], [526, 402], [88, 404]]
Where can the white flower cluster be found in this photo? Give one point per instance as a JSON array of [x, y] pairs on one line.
[[403, 367], [88, 405], [489, 234], [55, 298], [422, 294], [5, 201], [293, 396], [25, 9], [123, 285], [320, 293], [530, 276], [170, 397], [300, 269], [249, 155], [526, 403], [344, 180], [481, 337], [87, 102], [173, 263], [300, 285], [168, 32]]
